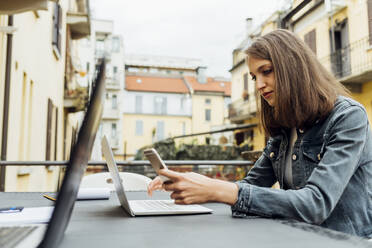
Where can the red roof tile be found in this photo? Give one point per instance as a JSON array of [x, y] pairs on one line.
[[210, 86], [155, 84]]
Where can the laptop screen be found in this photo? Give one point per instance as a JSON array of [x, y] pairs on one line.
[[79, 157]]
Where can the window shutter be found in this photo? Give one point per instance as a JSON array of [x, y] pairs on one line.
[[369, 8], [49, 130], [310, 40], [246, 81]]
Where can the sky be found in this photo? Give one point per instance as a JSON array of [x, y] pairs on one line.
[[204, 29]]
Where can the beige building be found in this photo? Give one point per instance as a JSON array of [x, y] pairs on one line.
[[166, 97], [339, 33], [39, 126]]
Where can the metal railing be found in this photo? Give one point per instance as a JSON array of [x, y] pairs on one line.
[[351, 60], [230, 170]]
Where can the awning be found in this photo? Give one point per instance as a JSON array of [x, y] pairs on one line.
[[10, 7]]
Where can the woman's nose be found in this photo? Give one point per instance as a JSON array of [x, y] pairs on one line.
[[260, 83]]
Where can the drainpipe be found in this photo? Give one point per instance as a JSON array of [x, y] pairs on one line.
[[8, 67]]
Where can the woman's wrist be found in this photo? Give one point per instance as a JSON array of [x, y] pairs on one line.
[[224, 192]]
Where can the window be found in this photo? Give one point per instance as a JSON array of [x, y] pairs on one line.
[[139, 128], [57, 28], [100, 48], [208, 101], [138, 104], [115, 72], [208, 115], [114, 102], [113, 130], [369, 9], [160, 130], [245, 90], [160, 105], [245, 78], [182, 103], [310, 40], [115, 44]]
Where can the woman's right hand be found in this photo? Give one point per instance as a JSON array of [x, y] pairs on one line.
[[155, 184]]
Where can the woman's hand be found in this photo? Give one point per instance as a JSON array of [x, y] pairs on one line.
[[155, 184], [192, 188]]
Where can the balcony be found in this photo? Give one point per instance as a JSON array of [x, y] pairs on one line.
[[112, 83], [241, 110], [111, 114], [351, 65], [75, 100], [114, 142], [78, 18], [102, 53]]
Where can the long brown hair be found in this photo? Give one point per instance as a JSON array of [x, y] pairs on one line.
[[304, 90]]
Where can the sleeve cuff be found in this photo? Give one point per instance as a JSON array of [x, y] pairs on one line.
[[241, 207]]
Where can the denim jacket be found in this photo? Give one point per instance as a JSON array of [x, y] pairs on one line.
[[331, 170]]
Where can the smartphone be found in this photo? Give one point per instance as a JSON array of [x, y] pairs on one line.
[[156, 162]]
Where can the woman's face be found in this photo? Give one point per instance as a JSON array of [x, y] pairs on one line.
[[262, 73]]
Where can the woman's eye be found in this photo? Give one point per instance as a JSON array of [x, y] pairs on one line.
[[266, 72]]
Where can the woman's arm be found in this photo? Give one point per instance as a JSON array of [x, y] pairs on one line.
[[314, 202]]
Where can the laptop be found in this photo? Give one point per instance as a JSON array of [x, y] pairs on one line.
[[144, 207], [50, 235]]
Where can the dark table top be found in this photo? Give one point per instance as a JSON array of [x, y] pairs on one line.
[[103, 223]]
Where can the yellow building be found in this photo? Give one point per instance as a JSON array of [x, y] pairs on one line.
[[38, 121], [243, 109], [339, 33]]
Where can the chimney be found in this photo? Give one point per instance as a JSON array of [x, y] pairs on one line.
[[248, 26], [201, 74]]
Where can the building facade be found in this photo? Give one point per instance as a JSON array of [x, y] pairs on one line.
[[167, 97], [338, 32], [38, 126]]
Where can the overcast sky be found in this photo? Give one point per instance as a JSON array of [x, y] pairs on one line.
[[203, 29]]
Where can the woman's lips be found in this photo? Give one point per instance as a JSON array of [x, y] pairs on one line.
[[267, 94]]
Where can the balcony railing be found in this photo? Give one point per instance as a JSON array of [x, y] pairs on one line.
[[78, 18], [112, 83], [353, 63], [230, 170], [76, 100], [241, 110], [112, 114]]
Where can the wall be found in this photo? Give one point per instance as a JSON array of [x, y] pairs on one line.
[[173, 127], [199, 124], [37, 74]]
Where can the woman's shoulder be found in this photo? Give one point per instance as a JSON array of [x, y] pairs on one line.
[[346, 107], [344, 102]]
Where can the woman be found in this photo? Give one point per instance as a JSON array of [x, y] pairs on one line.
[[320, 146]]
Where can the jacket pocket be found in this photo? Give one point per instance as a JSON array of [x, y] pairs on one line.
[[312, 156]]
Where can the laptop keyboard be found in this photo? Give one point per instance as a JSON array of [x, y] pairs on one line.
[[158, 205], [10, 236]]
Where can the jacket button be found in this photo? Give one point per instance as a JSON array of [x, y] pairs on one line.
[[294, 157], [318, 156], [272, 154], [301, 130]]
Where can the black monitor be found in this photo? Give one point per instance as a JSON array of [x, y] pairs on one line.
[[79, 157]]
